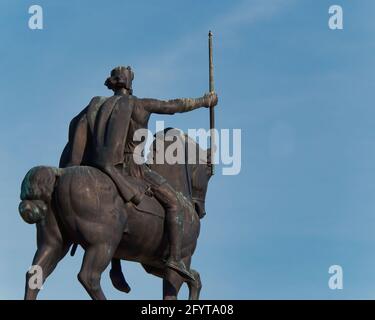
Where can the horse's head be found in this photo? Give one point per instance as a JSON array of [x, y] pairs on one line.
[[194, 171], [201, 175]]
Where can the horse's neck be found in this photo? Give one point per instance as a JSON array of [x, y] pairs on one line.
[[177, 176]]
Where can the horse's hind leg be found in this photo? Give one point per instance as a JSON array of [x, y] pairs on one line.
[[96, 259], [51, 249], [194, 286], [117, 277]]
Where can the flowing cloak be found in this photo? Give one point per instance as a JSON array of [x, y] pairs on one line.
[[97, 137]]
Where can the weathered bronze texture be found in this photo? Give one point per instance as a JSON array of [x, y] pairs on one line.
[[113, 207]]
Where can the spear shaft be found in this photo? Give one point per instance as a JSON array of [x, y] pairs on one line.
[[212, 112]]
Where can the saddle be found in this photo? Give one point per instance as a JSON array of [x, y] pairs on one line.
[[149, 204]]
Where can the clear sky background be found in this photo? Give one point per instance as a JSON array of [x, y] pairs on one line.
[[301, 93]]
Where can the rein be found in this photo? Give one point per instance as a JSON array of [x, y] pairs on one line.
[[188, 176]]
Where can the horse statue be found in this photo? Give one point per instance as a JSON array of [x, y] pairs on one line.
[[80, 205]]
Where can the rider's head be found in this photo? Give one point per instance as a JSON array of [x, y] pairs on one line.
[[121, 78]]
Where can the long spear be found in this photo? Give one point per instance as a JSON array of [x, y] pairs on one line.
[[212, 113]]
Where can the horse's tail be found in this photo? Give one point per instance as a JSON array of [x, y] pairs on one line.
[[36, 192]]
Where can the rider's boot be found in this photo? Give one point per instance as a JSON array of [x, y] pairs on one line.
[[175, 230]]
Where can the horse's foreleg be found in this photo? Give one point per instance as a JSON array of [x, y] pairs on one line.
[[117, 277], [172, 284], [194, 286], [97, 257]]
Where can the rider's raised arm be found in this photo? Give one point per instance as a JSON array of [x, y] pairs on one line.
[[177, 105]]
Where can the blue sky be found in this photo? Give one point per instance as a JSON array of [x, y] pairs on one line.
[[301, 93]]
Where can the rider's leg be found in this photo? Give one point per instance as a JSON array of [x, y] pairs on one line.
[[127, 191], [174, 220]]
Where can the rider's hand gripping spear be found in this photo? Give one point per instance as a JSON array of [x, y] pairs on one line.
[[212, 112]]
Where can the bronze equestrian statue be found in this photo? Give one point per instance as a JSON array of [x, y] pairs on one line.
[[113, 206]]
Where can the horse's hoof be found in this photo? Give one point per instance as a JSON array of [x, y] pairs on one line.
[[119, 281]]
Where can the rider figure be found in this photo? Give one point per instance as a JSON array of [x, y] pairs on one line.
[[102, 136]]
